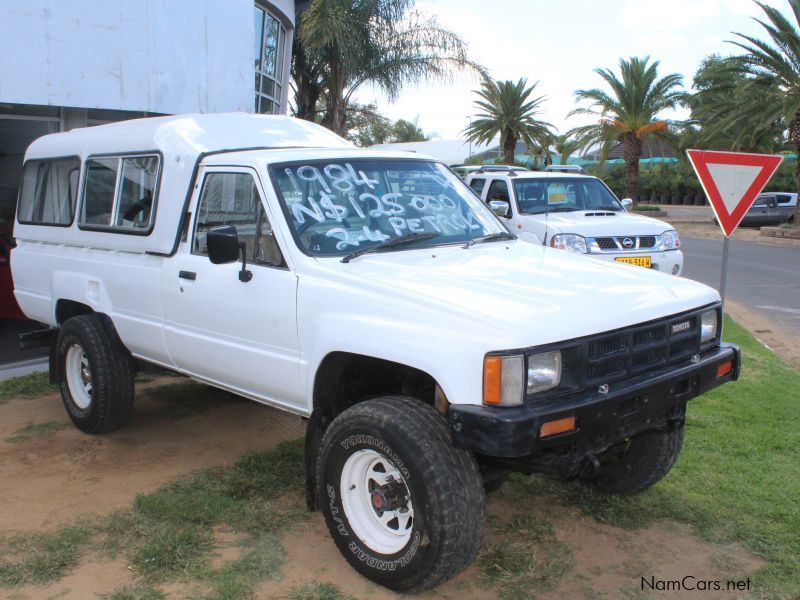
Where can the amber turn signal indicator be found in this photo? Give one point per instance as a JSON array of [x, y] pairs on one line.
[[556, 427], [492, 379], [724, 369]]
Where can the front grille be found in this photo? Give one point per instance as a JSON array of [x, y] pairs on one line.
[[617, 243], [640, 349], [607, 243]]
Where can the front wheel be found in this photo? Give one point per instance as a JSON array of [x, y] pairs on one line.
[[405, 508], [641, 463]]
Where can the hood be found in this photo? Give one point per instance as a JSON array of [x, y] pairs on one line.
[[589, 223], [523, 294]]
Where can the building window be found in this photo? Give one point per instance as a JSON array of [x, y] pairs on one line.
[[270, 43]]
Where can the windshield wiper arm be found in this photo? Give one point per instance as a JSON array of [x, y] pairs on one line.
[[406, 239], [492, 237]]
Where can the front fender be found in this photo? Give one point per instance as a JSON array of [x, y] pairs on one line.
[[451, 358]]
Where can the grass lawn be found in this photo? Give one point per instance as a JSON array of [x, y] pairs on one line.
[[736, 480]]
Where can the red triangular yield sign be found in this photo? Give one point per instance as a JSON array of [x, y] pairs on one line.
[[732, 180]]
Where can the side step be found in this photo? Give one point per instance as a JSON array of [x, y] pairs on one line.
[[36, 339]]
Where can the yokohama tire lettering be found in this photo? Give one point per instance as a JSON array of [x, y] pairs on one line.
[[386, 565], [335, 511], [368, 440]]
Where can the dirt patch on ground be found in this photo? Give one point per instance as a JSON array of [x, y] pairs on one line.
[[48, 482], [51, 480]]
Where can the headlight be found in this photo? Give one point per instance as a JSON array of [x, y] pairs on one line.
[[570, 242], [544, 371], [668, 240], [502, 380], [708, 326]]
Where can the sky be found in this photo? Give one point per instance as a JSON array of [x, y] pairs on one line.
[[560, 42]]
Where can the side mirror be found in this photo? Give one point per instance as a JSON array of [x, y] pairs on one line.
[[223, 244], [502, 208], [224, 247], [627, 203]]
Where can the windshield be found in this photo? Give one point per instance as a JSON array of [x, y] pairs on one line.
[[563, 194], [335, 207]]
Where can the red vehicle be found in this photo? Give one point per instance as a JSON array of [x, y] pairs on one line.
[[9, 309]]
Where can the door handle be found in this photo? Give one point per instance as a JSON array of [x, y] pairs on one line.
[[187, 275]]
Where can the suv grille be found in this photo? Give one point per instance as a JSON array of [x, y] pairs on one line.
[[637, 350], [617, 243]]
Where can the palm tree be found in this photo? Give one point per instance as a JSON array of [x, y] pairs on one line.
[[343, 44], [629, 114], [774, 68], [509, 111], [565, 145], [718, 121]]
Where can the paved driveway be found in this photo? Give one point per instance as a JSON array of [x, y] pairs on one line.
[[765, 279]]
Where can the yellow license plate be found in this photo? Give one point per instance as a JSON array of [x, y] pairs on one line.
[[639, 261]]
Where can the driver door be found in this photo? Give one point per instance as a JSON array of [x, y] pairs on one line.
[[238, 335]]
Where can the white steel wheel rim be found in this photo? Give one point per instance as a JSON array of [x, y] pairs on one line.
[[79, 376], [364, 474]]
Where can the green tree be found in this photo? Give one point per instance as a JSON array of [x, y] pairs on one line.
[[773, 69], [629, 114], [408, 131], [565, 146], [510, 112], [720, 89], [343, 44], [366, 127]]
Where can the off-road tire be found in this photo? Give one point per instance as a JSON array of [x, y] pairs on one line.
[[111, 374], [648, 458], [443, 482]]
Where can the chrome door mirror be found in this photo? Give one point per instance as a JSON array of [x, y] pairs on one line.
[[502, 208]]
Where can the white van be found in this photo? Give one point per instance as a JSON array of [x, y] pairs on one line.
[[361, 290], [578, 213]]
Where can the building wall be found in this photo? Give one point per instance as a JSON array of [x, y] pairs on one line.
[[158, 56]]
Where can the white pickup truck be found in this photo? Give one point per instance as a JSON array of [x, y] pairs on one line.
[[370, 292], [578, 213]]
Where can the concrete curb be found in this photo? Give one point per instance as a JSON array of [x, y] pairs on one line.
[[781, 232]]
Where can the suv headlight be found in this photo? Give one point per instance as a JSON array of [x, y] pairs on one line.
[[569, 241], [668, 240], [544, 371], [709, 326]]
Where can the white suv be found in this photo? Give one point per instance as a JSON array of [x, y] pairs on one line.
[[358, 289], [578, 213]]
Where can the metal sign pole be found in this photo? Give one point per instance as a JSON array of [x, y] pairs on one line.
[[724, 276]]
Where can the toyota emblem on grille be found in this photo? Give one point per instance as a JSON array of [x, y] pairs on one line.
[[627, 243], [680, 327]]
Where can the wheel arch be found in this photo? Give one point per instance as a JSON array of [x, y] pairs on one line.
[[66, 309], [344, 379]]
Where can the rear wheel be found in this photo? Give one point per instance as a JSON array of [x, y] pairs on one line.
[[641, 463], [404, 507], [95, 374]]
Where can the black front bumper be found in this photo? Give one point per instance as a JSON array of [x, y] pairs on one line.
[[629, 408]]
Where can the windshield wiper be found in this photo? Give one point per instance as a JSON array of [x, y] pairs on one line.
[[406, 239], [562, 209], [492, 237]]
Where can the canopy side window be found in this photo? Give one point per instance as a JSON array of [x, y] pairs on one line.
[[120, 193], [49, 191]]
